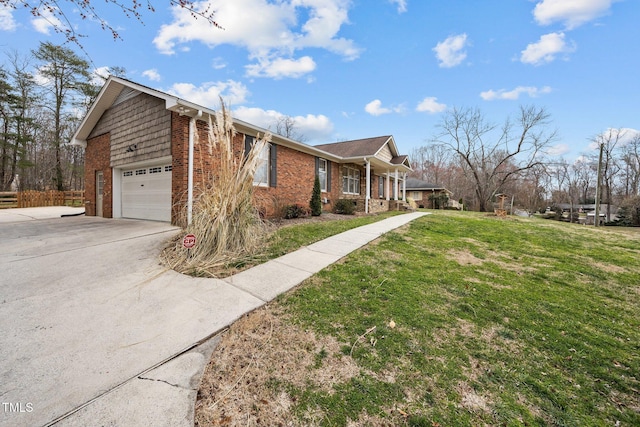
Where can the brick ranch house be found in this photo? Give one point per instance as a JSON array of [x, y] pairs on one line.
[[140, 149], [424, 193]]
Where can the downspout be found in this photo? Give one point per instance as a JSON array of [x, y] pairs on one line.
[[368, 186], [192, 132]]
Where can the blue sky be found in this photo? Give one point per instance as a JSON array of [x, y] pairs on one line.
[[362, 68]]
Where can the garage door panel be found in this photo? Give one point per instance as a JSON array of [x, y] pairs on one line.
[[146, 193]]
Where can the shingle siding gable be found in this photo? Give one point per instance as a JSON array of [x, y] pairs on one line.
[[140, 129]]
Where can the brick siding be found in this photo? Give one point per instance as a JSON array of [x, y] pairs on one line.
[[97, 158]]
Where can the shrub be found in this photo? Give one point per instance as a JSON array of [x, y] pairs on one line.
[[345, 207], [227, 225], [295, 211], [316, 202], [629, 212]]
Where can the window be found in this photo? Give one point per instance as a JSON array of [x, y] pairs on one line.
[[141, 172], [261, 177], [381, 187], [168, 168], [128, 173], [155, 170], [350, 180], [266, 172], [322, 174], [416, 195]]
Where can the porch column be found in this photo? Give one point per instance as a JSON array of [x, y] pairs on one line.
[[386, 183], [395, 187], [404, 187], [368, 187]]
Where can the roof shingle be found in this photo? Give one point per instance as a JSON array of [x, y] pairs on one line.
[[355, 148]]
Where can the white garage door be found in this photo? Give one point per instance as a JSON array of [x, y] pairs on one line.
[[146, 193]]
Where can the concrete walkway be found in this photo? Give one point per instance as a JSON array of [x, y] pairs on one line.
[[154, 381], [165, 395]]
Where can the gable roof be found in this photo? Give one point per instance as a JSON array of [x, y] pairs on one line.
[[357, 147], [117, 88], [418, 184]]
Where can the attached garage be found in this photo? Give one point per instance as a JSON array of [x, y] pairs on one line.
[[146, 193]]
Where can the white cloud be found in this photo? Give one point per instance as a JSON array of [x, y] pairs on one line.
[[514, 94], [558, 150], [268, 30], [546, 49], [622, 135], [450, 52], [572, 13], [280, 67], [208, 94], [430, 105], [152, 75], [218, 63], [375, 108], [313, 127], [402, 5], [99, 75], [45, 21], [7, 23]]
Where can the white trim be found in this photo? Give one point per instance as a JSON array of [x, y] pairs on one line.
[[116, 181], [404, 187], [395, 186], [388, 189], [367, 196]]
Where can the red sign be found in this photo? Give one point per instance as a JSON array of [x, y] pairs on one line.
[[189, 241]]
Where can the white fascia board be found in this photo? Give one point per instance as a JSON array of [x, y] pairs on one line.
[[392, 147]]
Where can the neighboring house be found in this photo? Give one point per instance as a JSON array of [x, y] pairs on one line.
[[140, 146], [424, 193], [586, 213]]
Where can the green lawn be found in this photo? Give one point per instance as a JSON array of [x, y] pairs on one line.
[[456, 319]]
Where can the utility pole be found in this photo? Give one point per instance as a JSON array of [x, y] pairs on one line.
[[596, 220]]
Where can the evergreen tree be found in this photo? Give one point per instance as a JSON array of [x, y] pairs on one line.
[[66, 75], [316, 202]]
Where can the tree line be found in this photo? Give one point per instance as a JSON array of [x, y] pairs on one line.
[[43, 96], [477, 159]]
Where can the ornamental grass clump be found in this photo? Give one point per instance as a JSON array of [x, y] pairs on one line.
[[225, 221]]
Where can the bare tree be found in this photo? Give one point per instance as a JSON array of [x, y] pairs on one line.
[[430, 162], [610, 141], [630, 157], [57, 13], [530, 190], [493, 155], [286, 126]]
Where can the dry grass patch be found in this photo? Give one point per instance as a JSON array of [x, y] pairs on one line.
[[259, 352], [225, 221], [464, 257]]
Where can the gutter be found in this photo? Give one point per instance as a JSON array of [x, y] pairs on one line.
[[192, 131]]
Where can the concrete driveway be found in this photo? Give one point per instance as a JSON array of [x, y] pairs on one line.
[[85, 307]]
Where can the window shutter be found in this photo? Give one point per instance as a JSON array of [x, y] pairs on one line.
[[273, 165], [248, 142], [318, 166], [328, 176]]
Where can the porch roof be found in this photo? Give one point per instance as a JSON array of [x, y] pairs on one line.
[[357, 150]]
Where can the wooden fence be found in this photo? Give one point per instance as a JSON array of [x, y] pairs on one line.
[[32, 199]]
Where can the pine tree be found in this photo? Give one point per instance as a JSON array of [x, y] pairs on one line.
[[316, 203]]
